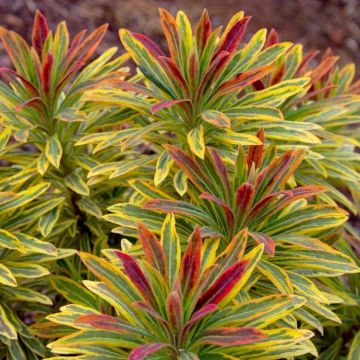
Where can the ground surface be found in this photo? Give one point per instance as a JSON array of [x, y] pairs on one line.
[[315, 23]]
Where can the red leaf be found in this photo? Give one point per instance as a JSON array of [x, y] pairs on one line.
[[258, 85], [193, 69], [40, 32], [34, 102], [152, 248], [281, 200], [82, 51], [69, 74], [188, 165], [281, 169], [244, 197], [278, 75], [256, 151], [104, 322], [153, 49], [272, 38], [230, 218], [244, 79], [144, 306], [203, 30], [9, 74], [198, 315], [220, 168], [223, 284], [260, 205], [174, 310], [232, 336], [306, 59], [268, 241], [215, 67], [143, 351], [191, 262], [174, 73], [323, 68], [133, 271], [74, 45], [234, 35], [166, 104], [46, 72], [171, 32]]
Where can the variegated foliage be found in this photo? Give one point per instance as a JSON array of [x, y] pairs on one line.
[[41, 118], [165, 305], [254, 192], [332, 102], [43, 190], [183, 136], [206, 91]]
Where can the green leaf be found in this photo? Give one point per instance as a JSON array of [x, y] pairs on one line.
[[77, 184], [42, 164], [216, 118], [275, 95], [7, 329], [180, 182], [10, 241], [25, 196], [28, 295], [6, 276], [48, 221], [196, 141], [73, 292], [276, 275], [236, 138], [354, 352], [171, 245], [4, 137], [163, 167], [26, 270], [54, 151]]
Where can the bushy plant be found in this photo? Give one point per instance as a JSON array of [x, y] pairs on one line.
[[250, 145]]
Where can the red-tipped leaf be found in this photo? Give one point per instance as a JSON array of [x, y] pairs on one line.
[[141, 352], [256, 151], [223, 284], [191, 262], [232, 336], [154, 253], [135, 274], [234, 35], [203, 30], [40, 32], [46, 70], [268, 241]]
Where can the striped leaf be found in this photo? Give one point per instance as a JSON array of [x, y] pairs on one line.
[[54, 151]]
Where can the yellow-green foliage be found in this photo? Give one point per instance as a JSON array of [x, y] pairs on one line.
[[246, 145]]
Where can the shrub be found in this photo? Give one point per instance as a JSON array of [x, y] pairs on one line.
[[249, 145], [185, 306], [44, 195]]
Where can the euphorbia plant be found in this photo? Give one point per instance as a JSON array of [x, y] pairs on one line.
[[42, 116], [206, 91], [169, 306], [183, 136], [43, 193], [200, 92], [331, 101], [251, 192]]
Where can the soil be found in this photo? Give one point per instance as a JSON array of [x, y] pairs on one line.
[[317, 24]]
